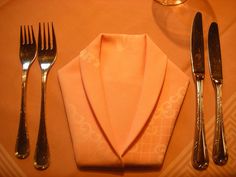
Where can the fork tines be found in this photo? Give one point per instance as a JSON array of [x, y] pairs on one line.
[[23, 35], [43, 37]]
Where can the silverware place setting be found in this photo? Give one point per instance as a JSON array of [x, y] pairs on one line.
[[46, 51]]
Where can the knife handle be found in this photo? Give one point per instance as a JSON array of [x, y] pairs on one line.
[[200, 154], [220, 155]]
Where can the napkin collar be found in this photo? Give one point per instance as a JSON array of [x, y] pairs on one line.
[[154, 74]]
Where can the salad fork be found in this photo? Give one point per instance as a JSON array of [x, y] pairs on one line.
[[27, 56], [46, 57]]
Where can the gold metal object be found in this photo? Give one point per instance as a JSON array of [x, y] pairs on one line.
[[170, 2]]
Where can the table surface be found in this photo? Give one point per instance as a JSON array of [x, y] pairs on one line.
[[76, 24]]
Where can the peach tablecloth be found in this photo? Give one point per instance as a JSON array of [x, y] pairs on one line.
[[76, 24]]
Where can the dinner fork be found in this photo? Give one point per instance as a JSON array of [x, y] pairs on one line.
[[27, 56], [46, 57]]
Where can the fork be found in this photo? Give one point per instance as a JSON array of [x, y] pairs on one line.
[[46, 57], [27, 56]]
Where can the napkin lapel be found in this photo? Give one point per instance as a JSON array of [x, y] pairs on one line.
[[92, 81], [155, 66]]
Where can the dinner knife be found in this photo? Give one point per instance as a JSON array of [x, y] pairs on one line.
[[219, 155], [200, 159]]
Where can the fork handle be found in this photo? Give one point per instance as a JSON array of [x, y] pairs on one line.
[[42, 155], [200, 154], [22, 141], [220, 155]]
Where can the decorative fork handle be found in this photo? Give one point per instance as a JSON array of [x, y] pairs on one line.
[[22, 141], [220, 155], [42, 149], [200, 154]]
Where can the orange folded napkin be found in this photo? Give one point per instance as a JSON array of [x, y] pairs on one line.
[[122, 97]]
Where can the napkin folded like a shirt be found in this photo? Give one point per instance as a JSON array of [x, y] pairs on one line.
[[122, 97]]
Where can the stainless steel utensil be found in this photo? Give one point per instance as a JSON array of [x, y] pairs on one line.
[[220, 155], [46, 56], [200, 154], [27, 56]]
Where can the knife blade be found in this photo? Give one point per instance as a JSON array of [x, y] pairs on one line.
[[215, 54], [197, 47], [200, 159], [220, 155]]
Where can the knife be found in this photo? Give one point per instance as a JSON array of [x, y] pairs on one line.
[[219, 155], [200, 159]]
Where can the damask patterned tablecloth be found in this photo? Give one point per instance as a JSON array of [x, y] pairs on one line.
[[76, 24]]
